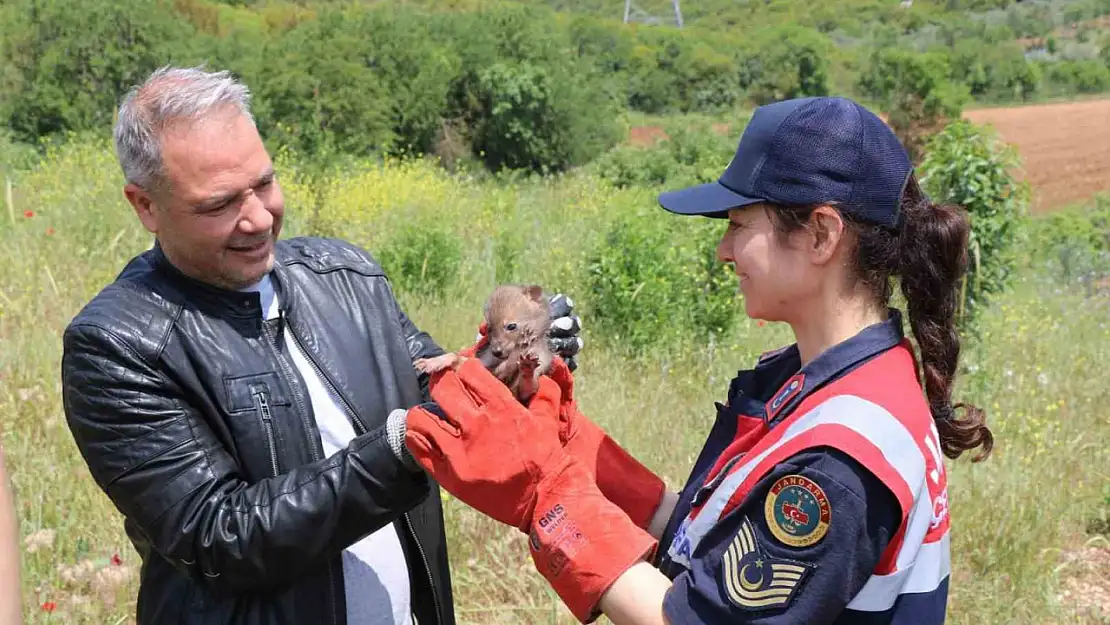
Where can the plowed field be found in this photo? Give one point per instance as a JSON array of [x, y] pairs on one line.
[[1064, 148]]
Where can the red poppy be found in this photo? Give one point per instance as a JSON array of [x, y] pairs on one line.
[[49, 606], [28, 214], [49, 232], [116, 560], [761, 323]]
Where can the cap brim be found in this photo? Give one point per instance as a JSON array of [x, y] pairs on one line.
[[708, 200]]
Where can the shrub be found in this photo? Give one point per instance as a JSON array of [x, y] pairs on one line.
[[540, 118], [654, 281], [915, 91], [65, 64], [421, 259], [786, 62], [692, 153], [1075, 240], [965, 164]]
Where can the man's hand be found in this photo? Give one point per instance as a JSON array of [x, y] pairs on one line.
[[10, 599]]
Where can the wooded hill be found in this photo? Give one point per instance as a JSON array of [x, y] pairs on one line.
[[537, 85]]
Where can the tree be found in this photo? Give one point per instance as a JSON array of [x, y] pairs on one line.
[[968, 165], [915, 91]]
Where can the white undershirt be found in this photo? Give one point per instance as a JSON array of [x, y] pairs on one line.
[[374, 570]]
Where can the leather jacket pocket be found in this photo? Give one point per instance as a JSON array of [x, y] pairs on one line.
[[258, 411]]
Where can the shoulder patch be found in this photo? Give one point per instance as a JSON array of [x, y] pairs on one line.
[[798, 511], [754, 581]]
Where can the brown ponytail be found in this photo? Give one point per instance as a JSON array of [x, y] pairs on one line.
[[929, 254], [932, 263]]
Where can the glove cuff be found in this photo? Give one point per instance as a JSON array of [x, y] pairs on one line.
[[580, 541], [395, 427], [621, 478], [628, 483]]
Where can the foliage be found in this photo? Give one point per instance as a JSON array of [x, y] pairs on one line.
[[421, 259], [915, 91], [966, 165], [66, 63], [1076, 240], [314, 93], [786, 62], [520, 85], [693, 152], [534, 118], [655, 280]]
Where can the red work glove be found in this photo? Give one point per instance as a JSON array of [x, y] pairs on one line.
[[621, 478], [465, 445], [506, 461]]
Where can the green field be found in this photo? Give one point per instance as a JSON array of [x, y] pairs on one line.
[[1018, 519]]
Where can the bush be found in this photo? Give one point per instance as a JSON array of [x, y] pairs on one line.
[[655, 281], [65, 64], [965, 164], [692, 153], [1075, 240], [421, 259], [915, 91], [544, 119], [786, 62]]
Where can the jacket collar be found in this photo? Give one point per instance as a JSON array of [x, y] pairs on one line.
[[217, 300], [779, 383]]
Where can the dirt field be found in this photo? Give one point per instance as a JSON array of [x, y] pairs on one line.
[[1064, 148]]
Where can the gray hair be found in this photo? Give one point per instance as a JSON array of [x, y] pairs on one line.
[[168, 95]]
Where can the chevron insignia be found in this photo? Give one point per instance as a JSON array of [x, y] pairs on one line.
[[755, 581]]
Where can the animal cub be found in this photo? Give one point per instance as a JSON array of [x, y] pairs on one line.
[[518, 318]]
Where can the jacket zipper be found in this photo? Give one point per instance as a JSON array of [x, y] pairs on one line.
[[314, 451], [361, 429], [427, 566], [360, 426], [263, 406]]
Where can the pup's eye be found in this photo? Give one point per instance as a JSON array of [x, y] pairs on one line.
[[510, 327]]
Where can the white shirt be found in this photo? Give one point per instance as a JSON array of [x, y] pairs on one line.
[[374, 570]]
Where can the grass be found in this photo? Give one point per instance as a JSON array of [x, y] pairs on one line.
[[1037, 369]]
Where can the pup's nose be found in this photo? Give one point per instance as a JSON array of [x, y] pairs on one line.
[[497, 352]]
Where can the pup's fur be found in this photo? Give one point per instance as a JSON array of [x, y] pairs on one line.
[[517, 353]]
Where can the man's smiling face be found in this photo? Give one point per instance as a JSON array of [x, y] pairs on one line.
[[220, 211]]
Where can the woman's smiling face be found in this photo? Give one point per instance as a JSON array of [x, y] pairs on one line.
[[774, 278]]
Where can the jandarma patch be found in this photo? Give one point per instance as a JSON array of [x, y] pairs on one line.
[[797, 510], [755, 581]]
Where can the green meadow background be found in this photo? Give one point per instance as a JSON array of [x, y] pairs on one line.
[[468, 143]]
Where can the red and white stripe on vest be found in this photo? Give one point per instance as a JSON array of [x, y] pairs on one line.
[[878, 415]]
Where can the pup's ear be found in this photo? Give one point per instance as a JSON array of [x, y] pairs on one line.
[[535, 292]]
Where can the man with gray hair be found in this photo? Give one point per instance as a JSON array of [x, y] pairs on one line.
[[240, 399]]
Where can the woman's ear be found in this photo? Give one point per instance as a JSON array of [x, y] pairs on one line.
[[827, 230]]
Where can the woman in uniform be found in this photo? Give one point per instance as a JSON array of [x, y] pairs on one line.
[[820, 495]]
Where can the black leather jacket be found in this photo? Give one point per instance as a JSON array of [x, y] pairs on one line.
[[194, 421]]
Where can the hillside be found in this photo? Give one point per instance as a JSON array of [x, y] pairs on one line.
[[537, 85]]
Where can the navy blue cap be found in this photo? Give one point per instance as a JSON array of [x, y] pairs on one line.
[[806, 151]]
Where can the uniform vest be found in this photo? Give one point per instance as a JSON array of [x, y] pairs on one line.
[[877, 414]]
